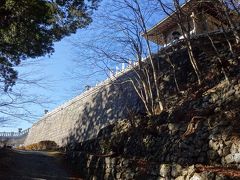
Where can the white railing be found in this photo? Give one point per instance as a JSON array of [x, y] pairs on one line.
[[125, 67], [114, 74], [14, 134]]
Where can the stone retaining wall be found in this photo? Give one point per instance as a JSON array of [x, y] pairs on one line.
[[169, 152], [214, 140], [110, 168], [82, 117]]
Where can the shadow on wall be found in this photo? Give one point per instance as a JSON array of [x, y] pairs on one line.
[[110, 103], [94, 167], [211, 140], [113, 102]]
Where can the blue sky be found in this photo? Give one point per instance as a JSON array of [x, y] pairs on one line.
[[65, 73], [56, 86]]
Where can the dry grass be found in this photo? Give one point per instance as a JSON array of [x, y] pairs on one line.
[[40, 146]]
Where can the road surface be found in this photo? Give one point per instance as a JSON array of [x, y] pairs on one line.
[[21, 165]]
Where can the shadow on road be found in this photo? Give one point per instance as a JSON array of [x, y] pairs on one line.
[[21, 165]]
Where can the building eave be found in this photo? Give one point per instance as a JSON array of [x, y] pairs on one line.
[[168, 22], [166, 18]]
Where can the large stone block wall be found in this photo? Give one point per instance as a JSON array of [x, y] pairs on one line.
[[215, 138], [114, 168], [171, 151], [82, 117]]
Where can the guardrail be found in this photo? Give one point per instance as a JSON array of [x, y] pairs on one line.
[[14, 134]]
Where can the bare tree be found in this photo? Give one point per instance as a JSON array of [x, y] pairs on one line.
[[183, 19], [227, 13], [17, 104], [122, 41], [236, 5], [135, 8]]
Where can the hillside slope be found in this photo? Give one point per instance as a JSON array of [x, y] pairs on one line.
[[196, 137]]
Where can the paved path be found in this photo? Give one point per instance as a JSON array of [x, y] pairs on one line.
[[20, 165]]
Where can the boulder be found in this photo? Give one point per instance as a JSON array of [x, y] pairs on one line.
[[165, 170], [229, 159], [236, 157], [176, 170]]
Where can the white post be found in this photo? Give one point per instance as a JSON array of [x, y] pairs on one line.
[[117, 69], [129, 62], [123, 66], [111, 74]]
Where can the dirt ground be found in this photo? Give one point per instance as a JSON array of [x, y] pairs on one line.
[[21, 165]]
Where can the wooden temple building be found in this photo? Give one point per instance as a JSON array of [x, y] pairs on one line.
[[197, 16]]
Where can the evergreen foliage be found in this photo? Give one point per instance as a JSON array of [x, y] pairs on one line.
[[28, 29]]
